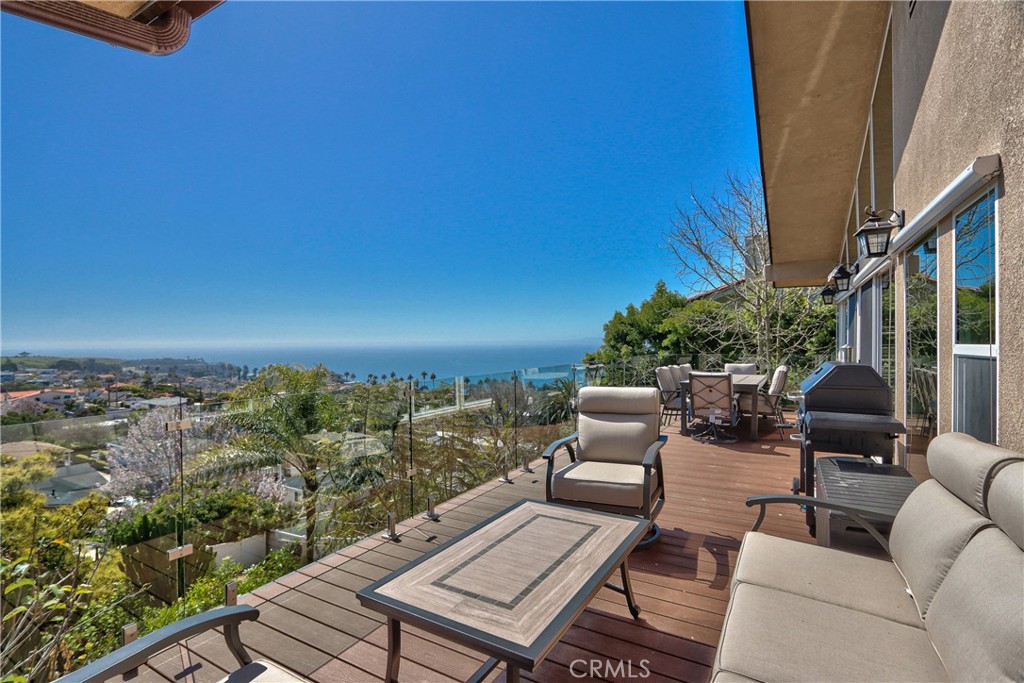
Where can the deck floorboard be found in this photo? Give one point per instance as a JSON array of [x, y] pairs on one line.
[[311, 621]]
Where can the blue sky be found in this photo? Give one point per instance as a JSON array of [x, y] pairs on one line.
[[360, 173]]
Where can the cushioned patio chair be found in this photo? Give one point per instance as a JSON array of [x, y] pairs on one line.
[[741, 368], [713, 407], [126, 659], [680, 373], [671, 395], [769, 404], [615, 456]]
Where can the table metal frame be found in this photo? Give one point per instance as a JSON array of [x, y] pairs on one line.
[[515, 656]]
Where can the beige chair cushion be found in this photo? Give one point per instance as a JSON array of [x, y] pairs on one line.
[[778, 384], [772, 635], [262, 671], [666, 382], [844, 579], [964, 465], [607, 483], [741, 368], [680, 373], [626, 400], [976, 620], [1006, 501], [613, 437], [930, 531], [746, 402]]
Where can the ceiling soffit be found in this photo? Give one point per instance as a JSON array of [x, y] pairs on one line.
[[814, 67]]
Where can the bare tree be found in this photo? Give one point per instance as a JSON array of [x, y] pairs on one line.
[[720, 247]]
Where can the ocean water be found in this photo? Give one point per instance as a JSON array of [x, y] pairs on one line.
[[443, 361]]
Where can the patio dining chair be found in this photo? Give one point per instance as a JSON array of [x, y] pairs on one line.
[[741, 368], [713, 407], [680, 373], [615, 456], [671, 395], [769, 404]]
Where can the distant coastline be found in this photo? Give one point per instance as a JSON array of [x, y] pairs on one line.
[[441, 360]]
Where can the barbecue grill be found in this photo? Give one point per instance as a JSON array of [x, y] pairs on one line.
[[845, 408]]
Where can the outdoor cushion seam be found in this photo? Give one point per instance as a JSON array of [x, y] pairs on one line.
[[829, 602], [942, 574], [990, 477]]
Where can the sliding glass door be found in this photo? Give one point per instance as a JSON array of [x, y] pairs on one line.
[[975, 348]]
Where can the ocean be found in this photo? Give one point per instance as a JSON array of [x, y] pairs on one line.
[[443, 361]]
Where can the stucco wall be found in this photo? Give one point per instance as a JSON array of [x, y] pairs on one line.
[[958, 84]]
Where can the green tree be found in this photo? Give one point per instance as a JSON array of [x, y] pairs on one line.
[[557, 405], [638, 330], [291, 408]]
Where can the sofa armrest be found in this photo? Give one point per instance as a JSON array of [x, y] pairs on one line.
[[137, 653], [855, 513]]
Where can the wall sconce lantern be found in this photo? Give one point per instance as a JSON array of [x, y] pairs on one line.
[[873, 236], [828, 295], [840, 278]]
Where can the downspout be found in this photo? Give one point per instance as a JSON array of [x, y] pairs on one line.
[[165, 35]]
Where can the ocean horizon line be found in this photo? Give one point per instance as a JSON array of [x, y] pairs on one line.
[[451, 360]]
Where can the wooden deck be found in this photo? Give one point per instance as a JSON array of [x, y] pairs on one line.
[[311, 622]]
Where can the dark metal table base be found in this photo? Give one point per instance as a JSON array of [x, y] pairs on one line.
[[511, 670]]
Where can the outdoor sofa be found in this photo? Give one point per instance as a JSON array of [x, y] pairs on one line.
[[949, 606]]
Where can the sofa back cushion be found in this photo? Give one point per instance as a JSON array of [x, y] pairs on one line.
[[617, 424], [965, 466], [930, 531], [1006, 501], [976, 622]]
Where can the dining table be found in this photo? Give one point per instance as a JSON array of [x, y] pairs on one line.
[[741, 384], [750, 384]]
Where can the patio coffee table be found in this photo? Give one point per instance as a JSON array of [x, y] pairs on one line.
[[510, 586]]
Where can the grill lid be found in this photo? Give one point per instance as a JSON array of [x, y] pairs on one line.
[[846, 388]]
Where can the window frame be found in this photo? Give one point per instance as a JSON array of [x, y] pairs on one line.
[[978, 350]]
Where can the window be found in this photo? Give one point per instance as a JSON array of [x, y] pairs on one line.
[[921, 292], [850, 345], [887, 327], [975, 352]]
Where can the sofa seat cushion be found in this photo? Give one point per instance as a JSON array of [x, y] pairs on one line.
[[772, 635], [262, 672], [844, 579], [607, 483], [730, 677]]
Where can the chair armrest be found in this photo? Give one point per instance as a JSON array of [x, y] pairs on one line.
[[549, 452], [137, 653], [855, 513], [652, 451]]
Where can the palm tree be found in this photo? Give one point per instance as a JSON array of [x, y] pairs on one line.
[[292, 406], [433, 380], [559, 401]]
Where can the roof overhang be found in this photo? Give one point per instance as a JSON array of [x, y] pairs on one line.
[[156, 27], [814, 66]]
